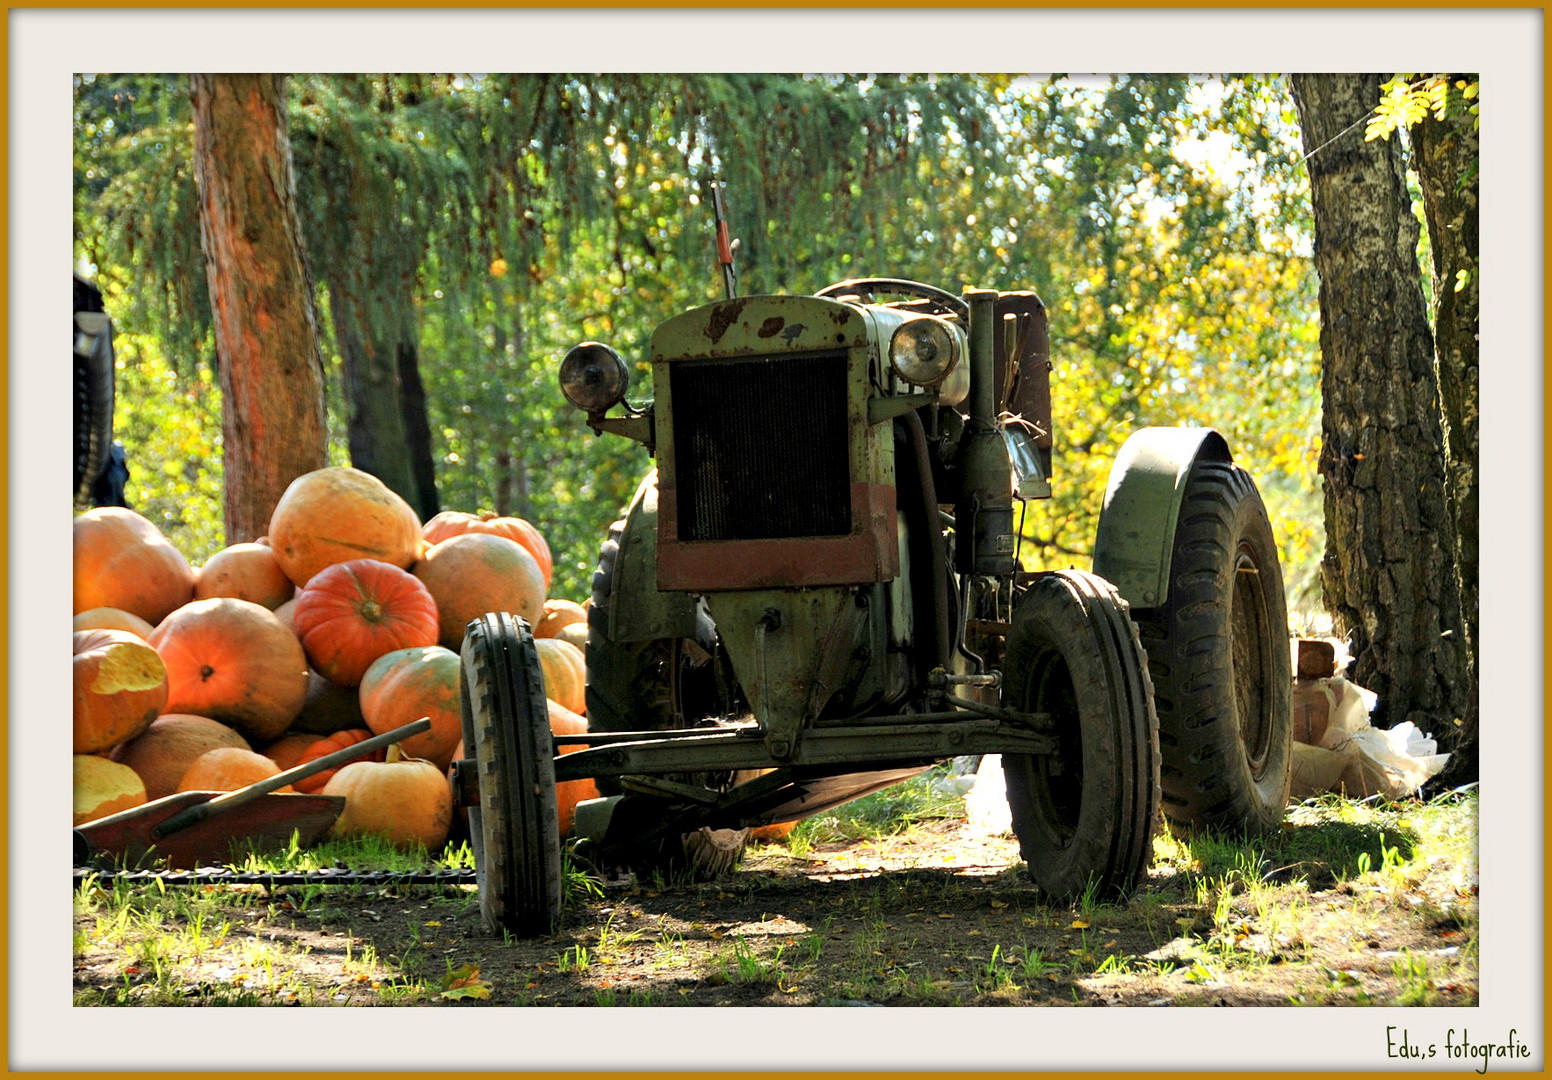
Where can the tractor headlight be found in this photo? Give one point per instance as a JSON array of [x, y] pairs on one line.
[[594, 377], [925, 350]]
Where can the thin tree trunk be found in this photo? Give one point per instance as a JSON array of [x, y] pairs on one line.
[[417, 430], [273, 428], [1446, 156], [1389, 569], [374, 419]]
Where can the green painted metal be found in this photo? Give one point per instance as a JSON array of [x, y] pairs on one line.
[[642, 612], [1136, 534], [790, 649]]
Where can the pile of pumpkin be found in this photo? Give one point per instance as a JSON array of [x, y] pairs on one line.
[[344, 621]]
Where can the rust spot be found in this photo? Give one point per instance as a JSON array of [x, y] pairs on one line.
[[772, 326], [723, 318]]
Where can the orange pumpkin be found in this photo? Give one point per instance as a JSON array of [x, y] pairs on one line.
[[407, 802], [287, 750], [169, 746], [111, 618], [100, 787], [228, 768], [575, 634], [336, 514], [246, 571], [327, 745], [234, 661], [351, 613], [772, 834], [569, 792], [559, 614], [402, 686], [473, 573], [120, 687], [451, 523], [122, 560], [565, 672]]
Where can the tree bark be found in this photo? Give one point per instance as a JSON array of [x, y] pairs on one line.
[[373, 417], [1389, 570], [1446, 155], [272, 426], [417, 431]]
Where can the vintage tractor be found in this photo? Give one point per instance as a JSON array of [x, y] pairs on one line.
[[817, 593]]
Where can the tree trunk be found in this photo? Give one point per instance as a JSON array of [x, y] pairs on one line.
[[373, 417], [1389, 569], [417, 431], [273, 428], [1446, 156]]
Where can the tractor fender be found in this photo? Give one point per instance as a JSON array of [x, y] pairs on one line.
[[1136, 534], [638, 610]]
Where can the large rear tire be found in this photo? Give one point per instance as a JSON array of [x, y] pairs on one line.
[[1220, 661], [1085, 816], [514, 829]]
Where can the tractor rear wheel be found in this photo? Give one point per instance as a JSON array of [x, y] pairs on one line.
[[514, 829], [1084, 816], [1219, 656]]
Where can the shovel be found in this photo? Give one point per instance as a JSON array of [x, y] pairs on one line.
[[195, 828]]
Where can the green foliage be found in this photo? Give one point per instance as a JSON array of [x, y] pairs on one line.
[[1408, 98], [493, 221]]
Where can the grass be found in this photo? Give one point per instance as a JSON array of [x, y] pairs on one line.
[[1348, 903]]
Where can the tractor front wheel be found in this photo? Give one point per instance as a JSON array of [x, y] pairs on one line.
[[514, 829], [1084, 816]]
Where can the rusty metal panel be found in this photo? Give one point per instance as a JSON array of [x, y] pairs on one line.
[[1031, 389], [701, 457], [857, 558]]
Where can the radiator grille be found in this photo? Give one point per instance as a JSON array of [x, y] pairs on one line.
[[760, 448]]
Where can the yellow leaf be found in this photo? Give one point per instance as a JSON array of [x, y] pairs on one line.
[[1080, 924]]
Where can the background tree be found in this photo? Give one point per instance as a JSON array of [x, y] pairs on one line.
[[260, 301], [1389, 570], [1161, 218]]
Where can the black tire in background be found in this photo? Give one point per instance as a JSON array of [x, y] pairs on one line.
[[630, 687], [515, 828], [1085, 816], [1219, 657]]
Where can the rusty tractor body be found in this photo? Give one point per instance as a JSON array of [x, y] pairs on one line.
[[817, 593]]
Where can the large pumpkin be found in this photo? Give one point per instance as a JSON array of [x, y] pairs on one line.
[[336, 514], [100, 787], [228, 768], [569, 792], [287, 750], [328, 745], [559, 614], [123, 561], [407, 802], [565, 672], [169, 746], [120, 687], [351, 613], [246, 571], [405, 685], [112, 618], [455, 523], [234, 661], [473, 573]]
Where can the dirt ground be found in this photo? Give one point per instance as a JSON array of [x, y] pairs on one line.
[[938, 915]]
